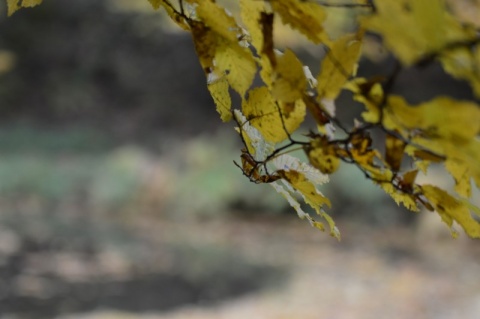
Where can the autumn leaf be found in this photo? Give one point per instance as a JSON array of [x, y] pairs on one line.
[[451, 209], [464, 63], [251, 12], [288, 193], [405, 199], [156, 4], [288, 162], [461, 175], [323, 155], [294, 203], [218, 48], [442, 117], [412, 29], [256, 143], [289, 82], [423, 157], [302, 178], [206, 42], [304, 16], [408, 179], [217, 19], [462, 163], [218, 87], [370, 94], [394, 150], [260, 28], [338, 65], [238, 65], [311, 196], [14, 5], [270, 118]]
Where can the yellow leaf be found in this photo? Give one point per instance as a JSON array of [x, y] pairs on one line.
[[316, 110], [206, 43], [218, 20], [408, 179], [338, 65], [290, 82], [291, 200], [429, 16], [324, 160], [219, 92], [366, 157], [422, 154], [399, 197], [270, 118], [422, 158], [219, 50], [322, 155], [156, 4], [474, 209], [451, 209], [256, 143], [442, 129], [238, 65], [465, 155], [312, 196], [14, 5], [260, 27], [304, 16], [370, 94], [251, 14], [394, 148], [442, 117], [288, 162], [30, 3], [466, 161], [461, 175], [422, 165], [463, 63], [301, 213], [302, 178], [412, 29]]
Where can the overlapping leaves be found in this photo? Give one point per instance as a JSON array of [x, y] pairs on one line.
[[235, 52]]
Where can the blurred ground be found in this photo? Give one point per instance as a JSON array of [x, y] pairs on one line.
[[119, 198], [256, 268], [120, 235]]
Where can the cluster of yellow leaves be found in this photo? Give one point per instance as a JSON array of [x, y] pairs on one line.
[[301, 178], [444, 126], [277, 92], [441, 130], [412, 28], [416, 30], [231, 58]]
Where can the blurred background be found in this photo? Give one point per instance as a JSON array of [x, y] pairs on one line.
[[119, 197]]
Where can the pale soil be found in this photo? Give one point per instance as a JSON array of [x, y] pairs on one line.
[[385, 273]]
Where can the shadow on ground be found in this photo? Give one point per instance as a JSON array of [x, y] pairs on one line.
[[49, 293]]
